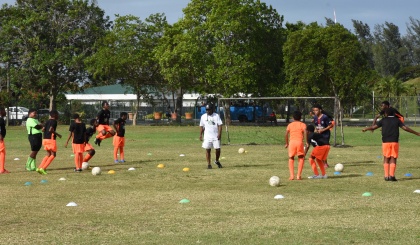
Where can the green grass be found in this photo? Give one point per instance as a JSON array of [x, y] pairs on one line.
[[233, 205]]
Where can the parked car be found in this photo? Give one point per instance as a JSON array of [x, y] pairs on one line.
[[17, 112]]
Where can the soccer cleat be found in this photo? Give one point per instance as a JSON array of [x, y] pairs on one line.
[[315, 177], [122, 161], [4, 172], [392, 178], [219, 165], [42, 171], [209, 166], [97, 142], [116, 161], [77, 170], [386, 178], [324, 176]]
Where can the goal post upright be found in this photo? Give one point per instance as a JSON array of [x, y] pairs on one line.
[[336, 109]]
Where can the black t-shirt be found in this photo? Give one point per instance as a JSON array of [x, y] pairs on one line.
[[79, 131], [103, 117], [89, 133], [316, 139], [50, 123], [390, 129], [120, 126], [2, 127]]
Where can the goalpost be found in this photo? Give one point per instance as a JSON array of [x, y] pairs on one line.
[[255, 111]]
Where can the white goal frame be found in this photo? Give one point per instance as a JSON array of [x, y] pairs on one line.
[[336, 108]]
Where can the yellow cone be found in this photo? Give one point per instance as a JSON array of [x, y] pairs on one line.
[[186, 169], [111, 172], [161, 165]]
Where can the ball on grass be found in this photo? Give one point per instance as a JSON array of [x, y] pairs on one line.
[[241, 150], [339, 167], [274, 181], [85, 165], [96, 171]]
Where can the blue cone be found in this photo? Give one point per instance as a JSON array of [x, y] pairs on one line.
[[408, 175], [369, 174], [337, 173], [28, 183]]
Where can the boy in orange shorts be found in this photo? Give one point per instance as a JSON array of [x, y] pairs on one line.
[[294, 138], [2, 145], [49, 142], [119, 139], [90, 131], [390, 135], [78, 133], [102, 124], [319, 153]]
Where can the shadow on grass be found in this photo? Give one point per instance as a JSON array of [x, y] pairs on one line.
[[344, 176], [252, 165], [359, 163]]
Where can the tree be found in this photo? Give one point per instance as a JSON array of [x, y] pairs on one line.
[[48, 40], [228, 47], [126, 54], [326, 61]]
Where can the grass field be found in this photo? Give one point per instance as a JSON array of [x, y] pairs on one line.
[[233, 205]]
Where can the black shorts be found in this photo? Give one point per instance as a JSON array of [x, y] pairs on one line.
[[36, 141]]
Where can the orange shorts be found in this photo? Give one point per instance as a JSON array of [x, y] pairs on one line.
[[296, 148], [49, 145], [2, 146], [88, 147], [118, 141], [78, 148], [390, 149], [101, 127], [321, 152]]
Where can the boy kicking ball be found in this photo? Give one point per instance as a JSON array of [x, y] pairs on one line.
[[319, 153]]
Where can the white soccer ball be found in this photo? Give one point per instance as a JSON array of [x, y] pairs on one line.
[[85, 165], [96, 171], [339, 167], [274, 181], [241, 150]]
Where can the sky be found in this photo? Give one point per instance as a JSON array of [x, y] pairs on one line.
[[370, 12]]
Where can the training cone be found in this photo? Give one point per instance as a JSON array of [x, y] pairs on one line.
[[337, 173], [161, 165], [367, 194], [369, 174], [408, 175], [71, 204], [28, 183], [184, 201], [417, 191], [131, 169], [62, 178], [111, 172], [186, 169], [278, 197], [44, 181]]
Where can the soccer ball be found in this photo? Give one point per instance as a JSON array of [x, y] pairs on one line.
[[96, 171], [241, 150], [85, 165], [339, 167], [274, 181]]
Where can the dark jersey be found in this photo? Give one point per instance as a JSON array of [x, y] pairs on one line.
[[2, 127], [51, 123], [120, 126], [79, 131], [103, 117], [390, 129], [89, 133], [321, 123], [316, 139]]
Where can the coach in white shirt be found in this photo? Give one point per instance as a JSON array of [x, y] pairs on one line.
[[211, 128]]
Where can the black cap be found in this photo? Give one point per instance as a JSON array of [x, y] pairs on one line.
[[209, 106]]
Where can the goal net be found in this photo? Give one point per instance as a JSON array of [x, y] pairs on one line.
[[253, 120]]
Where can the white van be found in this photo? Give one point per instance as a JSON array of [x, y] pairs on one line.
[[18, 112]]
